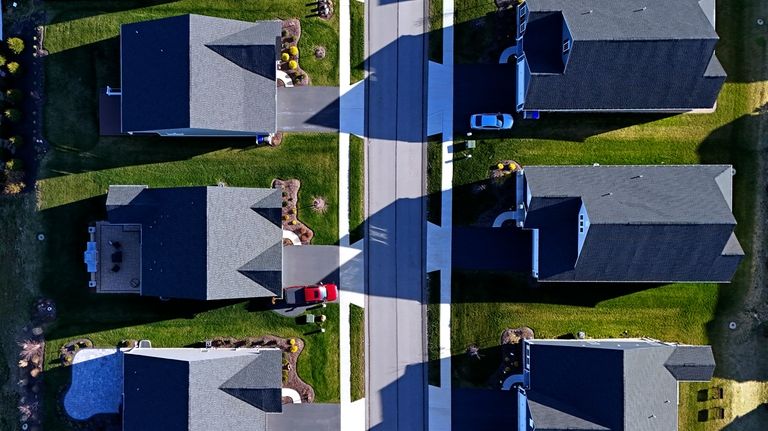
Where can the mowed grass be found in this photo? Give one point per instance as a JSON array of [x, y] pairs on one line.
[[357, 351], [77, 24], [485, 304], [76, 173], [356, 189], [357, 46]]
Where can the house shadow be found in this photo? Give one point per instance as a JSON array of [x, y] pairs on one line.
[[65, 280], [754, 420], [71, 13], [72, 118]]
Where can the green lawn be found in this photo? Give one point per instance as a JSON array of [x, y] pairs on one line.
[[357, 351], [76, 27], [356, 189], [357, 47], [81, 165], [434, 178], [485, 304]]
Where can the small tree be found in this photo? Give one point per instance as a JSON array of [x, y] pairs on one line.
[[16, 45], [13, 95], [12, 114], [13, 67]]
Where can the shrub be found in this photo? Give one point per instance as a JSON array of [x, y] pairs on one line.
[[294, 51], [3, 60], [13, 67], [293, 64], [285, 376], [12, 114], [285, 57], [13, 188], [13, 95], [16, 140], [16, 45], [14, 165]]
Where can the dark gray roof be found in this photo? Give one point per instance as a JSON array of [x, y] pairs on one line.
[[692, 363], [605, 384], [199, 72], [198, 389], [622, 57], [205, 242], [630, 19], [646, 223]]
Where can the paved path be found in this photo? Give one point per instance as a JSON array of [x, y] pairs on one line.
[[395, 119], [440, 398], [352, 270]]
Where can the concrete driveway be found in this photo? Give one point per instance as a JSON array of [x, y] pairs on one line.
[[481, 88], [308, 109], [492, 248], [311, 416]]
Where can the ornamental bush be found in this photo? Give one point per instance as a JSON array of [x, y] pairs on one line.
[[16, 45], [12, 114], [13, 67], [293, 50], [285, 56], [13, 95], [14, 165], [293, 64], [3, 60], [17, 141]]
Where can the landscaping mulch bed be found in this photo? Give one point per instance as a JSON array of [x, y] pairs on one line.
[[290, 216], [291, 34], [500, 190], [511, 354], [292, 380]]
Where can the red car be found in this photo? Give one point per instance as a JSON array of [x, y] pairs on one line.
[[321, 293]]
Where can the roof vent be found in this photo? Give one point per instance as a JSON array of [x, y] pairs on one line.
[[587, 12], [641, 9], [637, 177], [607, 194]]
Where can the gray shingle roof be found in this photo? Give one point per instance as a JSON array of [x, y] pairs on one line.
[[195, 389], [205, 242], [607, 384], [622, 57], [647, 223], [691, 363], [199, 72], [631, 19]]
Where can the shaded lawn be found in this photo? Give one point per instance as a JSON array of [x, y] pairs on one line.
[[433, 328], [691, 313], [356, 188], [19, 251], [74, 24], [176, 324], [435, 34], [434, 178], [357, 351]]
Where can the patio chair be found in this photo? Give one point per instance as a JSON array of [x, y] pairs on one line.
[[115, 268], [115, 244], [117, 257]]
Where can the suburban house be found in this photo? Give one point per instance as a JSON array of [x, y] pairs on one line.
[[614, 56], [630, 223], [200, 389], [203, 243], [194, 75], [620, 384]]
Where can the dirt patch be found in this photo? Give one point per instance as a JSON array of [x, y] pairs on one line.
[[291, 222]]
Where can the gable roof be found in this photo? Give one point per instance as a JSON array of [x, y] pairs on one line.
[[623, 55], [205, 242], [644, 223], [199, 72], [199, 389], [630, 19], [607, 384]]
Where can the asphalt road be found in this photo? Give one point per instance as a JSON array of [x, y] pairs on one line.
[[396, 386]]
